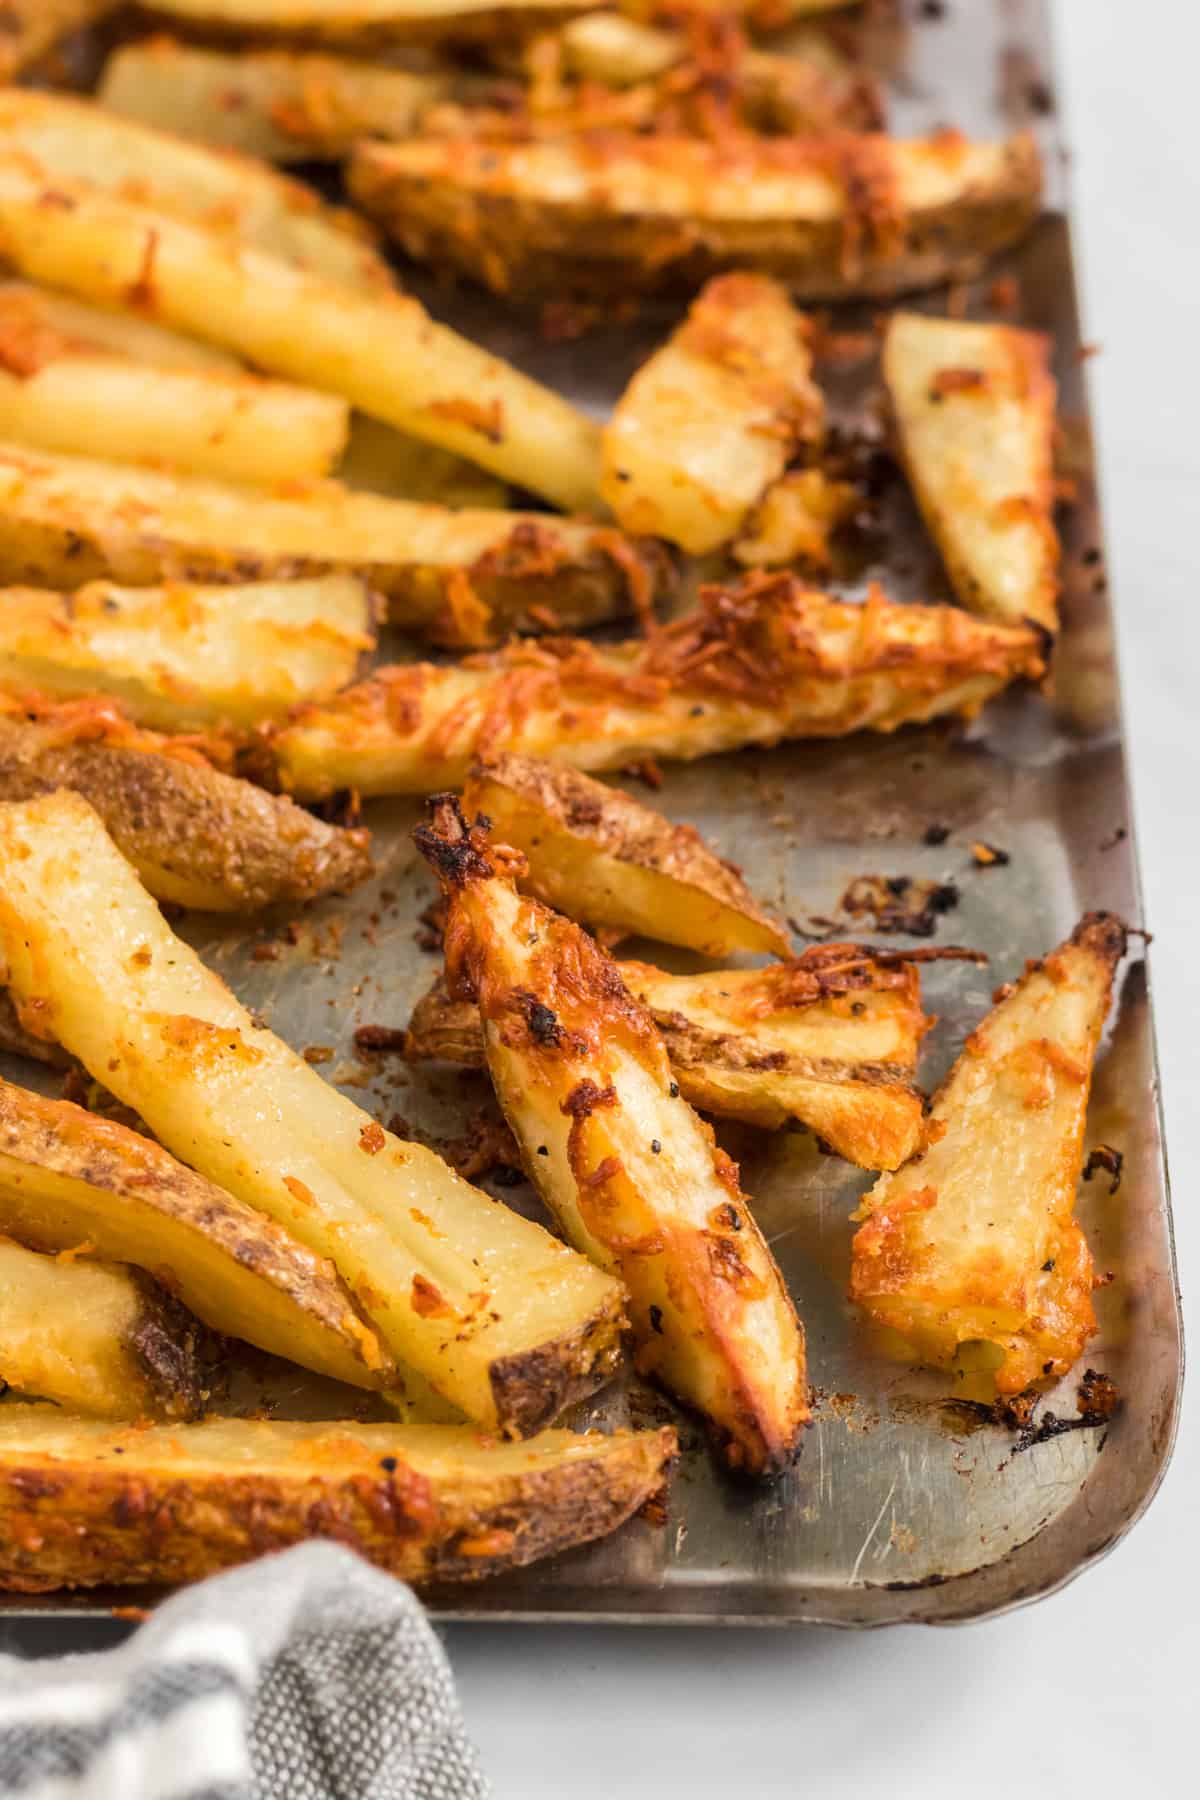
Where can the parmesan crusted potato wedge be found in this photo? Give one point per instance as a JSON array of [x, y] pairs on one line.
[[281, 105], [380, 350], [69, 1178], [458, 577], [180, 658], [974, 413], [32, 316], [832, 217], [604, 859], [95, 1338], [500, 1318], [236, 427], [829, 1040], [196, 836], [765, 660], [381, 460], [31, 27], [633, 1176], [81, 1504], [975, 1241], [244, 202], [714, 417], [372, 21]]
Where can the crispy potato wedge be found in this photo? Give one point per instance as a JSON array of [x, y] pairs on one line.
[[362, 22], [458, 577], [196, 836], [974, 413], [381, 460], [714, 417], [72, 140], [380, 350], [81, 1504], [633, 1176], [236, 427], [281, 105], [502, 1320], [95, 1338], [181, 658], [765, 660], [833, 217], [830, 1040], [31, 315], [69, 1178], [604, 859], [31, 27], [975, 1241]]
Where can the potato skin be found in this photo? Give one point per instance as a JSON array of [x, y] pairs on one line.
[[80, 1516], [195, 835]]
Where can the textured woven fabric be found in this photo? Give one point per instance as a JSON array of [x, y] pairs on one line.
[[306, 1676]]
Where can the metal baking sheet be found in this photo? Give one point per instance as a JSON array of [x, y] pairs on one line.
[[901, 1507]]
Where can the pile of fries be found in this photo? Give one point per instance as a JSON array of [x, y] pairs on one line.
[[232, 451]]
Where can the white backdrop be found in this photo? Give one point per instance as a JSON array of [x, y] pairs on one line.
[[1093, 1691]]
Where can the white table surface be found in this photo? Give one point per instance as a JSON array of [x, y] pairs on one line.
[[1093, 1691]]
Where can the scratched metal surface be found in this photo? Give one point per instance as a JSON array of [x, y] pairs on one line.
[[900, 1507]]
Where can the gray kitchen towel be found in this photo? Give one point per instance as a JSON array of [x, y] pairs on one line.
[[305, 1676]]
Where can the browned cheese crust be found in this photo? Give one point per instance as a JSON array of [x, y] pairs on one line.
[[832, 217], [975, 1242], [81, 1506], [635, 1178], [603, 858], [755, 663], [195, 835]]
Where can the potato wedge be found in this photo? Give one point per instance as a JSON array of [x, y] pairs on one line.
[[380, 350], [370, 21], [832, 218], [503, 1320], [795, 523], [829, 1040], [974, 413], [381, 460], [604, 859], [81, 1504], [281, 105], [196, 836], [72, 140], [459, 577], [70, 1178], [762, 661], [31, 316], [181, 658], [714, 417], [633, 1176], [236, 427], [975, 1241], [95, 1338], [28, 28]]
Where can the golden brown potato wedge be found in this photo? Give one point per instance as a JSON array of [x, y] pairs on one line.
[[604, 859], [69, 1178], [28, 28], [32, 316], [458, 577], [95, 1338], [829, 1040], [714, 417], [832, 218], [363, 22], [380, 350], [765, 660], [975, 1242], [182, 658], [81, 1504], [196, 836], [633, 1176], [72, 140], [281, 105], [501, 1319], [974, 413], [233, 426]]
